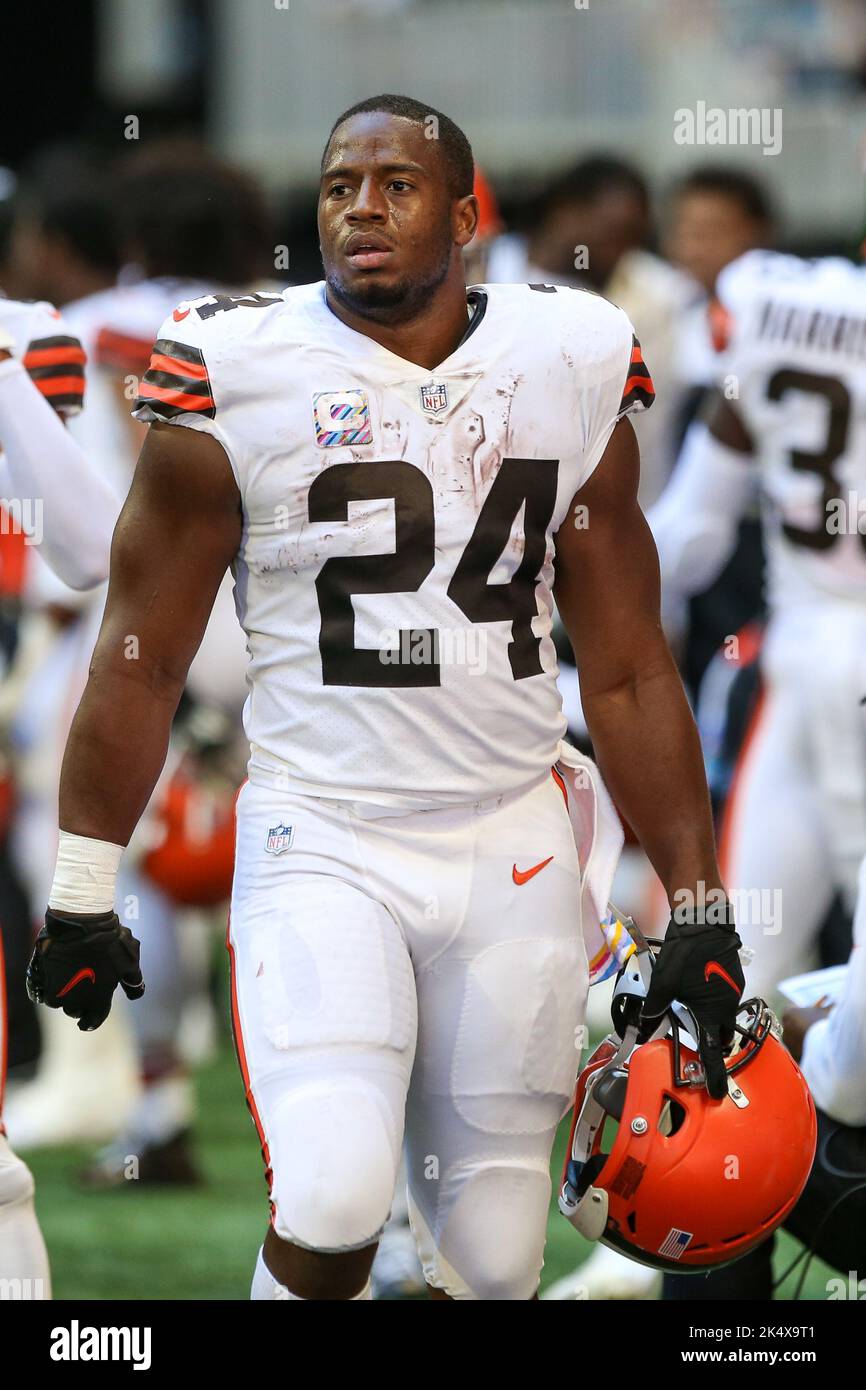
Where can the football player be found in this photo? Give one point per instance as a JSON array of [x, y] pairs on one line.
[[180, 209], [716, 215], [51, 493], [61, 500], [788, 427], [401, 474]]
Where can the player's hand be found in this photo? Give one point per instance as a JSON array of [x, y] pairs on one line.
[[78, 962], [699, 965]]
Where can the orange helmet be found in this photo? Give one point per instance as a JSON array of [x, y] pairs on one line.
[[489, 219], [689, 1183], [193, 862]]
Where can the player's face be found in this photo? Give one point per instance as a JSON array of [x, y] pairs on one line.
[[614, 222], [708, 231], [387, 223]]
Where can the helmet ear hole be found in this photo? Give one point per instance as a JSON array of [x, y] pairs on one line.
[[671, 1117], [610, 1092]]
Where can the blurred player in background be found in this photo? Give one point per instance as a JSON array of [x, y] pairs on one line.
[[63, 244], [788, 426], [53, 497], [715, 215], [175, 207]]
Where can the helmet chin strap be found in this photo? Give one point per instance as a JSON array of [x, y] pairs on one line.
[[646, 950]]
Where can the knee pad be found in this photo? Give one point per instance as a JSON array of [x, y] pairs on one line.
[[491, 1232], [334, 1155], [16, 1180]]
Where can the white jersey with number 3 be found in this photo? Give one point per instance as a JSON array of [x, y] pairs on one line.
[[796, 366], [395, 573]]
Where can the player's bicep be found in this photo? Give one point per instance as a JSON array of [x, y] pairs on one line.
[[607, 573], [179, 530]]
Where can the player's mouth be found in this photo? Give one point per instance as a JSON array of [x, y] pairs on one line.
[[367, 251]]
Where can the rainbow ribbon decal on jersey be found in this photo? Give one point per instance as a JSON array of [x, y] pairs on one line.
[[350, 409], [617, 948]]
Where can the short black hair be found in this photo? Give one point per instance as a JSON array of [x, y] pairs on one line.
[[593, 176], [455, 148], [742, 188], [67, 193], [188, 214]]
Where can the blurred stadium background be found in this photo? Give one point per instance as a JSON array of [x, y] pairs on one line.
[[538, 86]]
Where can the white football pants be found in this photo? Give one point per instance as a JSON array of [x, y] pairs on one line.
[[450, 939]]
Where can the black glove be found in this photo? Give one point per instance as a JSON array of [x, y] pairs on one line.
[[699, 965], [78, 962]]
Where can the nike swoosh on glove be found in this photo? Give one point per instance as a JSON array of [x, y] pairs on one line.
[[78, 962], [699, 966]]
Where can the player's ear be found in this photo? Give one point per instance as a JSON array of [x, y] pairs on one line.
[[464, 219]]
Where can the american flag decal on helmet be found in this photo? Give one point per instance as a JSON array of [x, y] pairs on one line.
[[176, 382], [674, 1244], [638, 392]]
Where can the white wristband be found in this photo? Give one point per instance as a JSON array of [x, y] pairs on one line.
[[85, 874]]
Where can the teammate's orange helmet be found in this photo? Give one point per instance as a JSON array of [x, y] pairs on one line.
[[193, 862], [489, 219], [689, 1183]]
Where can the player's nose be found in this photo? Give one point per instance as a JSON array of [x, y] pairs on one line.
[[370, 202]]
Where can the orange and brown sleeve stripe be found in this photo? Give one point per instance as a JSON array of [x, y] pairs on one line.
[[176, 382], [122, 351], [638, 392], [56, 365]]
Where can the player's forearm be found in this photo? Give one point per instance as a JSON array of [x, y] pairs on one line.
[[694, 522], [649, 754], [115, 752], [66, 506]]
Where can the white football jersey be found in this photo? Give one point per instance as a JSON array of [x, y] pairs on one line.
[[396, 569], [117, 327], [796, 357], [35, 332]]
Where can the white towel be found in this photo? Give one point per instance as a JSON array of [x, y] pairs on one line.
[[599, 837]]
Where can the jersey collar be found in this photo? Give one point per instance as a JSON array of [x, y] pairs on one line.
[[476, 302]]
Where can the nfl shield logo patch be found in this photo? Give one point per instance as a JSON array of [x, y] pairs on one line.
[[279, 838], [434, 397]]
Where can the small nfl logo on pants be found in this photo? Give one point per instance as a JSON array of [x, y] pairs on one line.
[[279, 839]]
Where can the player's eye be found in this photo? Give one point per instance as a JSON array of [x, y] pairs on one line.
[[338, 190], [400, 185]]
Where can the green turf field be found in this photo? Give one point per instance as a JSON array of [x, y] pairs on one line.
[[201, 1244]]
